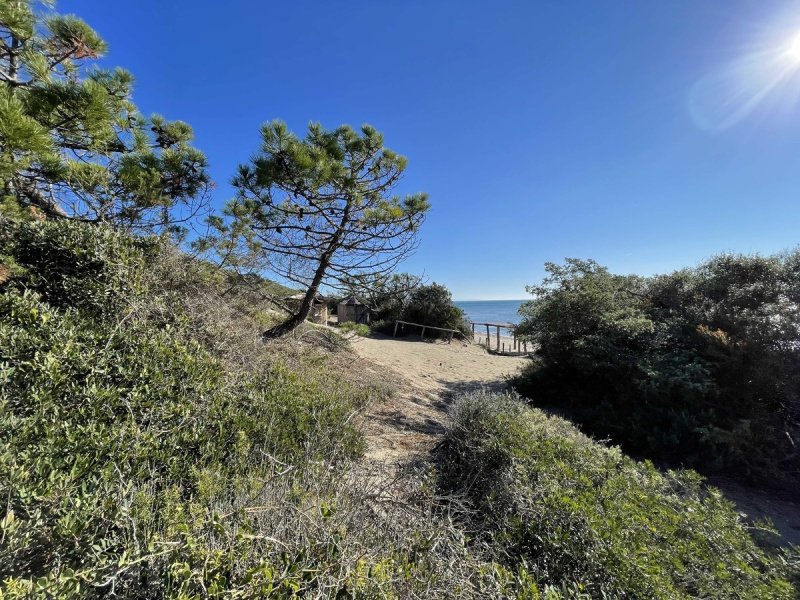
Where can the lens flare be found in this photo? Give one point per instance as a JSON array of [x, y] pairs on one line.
[[793, 49], [766, 77]]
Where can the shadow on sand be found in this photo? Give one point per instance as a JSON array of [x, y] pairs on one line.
[[425, 413]]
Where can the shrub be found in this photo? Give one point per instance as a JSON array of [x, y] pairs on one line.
[[699, 367], [383, 326], [433, 305], [91, 267], [121, 435], [575, 513], [359, 329]]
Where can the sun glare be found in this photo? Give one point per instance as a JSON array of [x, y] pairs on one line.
[[764, 78], [793, 49]]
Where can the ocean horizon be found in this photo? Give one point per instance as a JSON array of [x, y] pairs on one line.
[[491, 311]]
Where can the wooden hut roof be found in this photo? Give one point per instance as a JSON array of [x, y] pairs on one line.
[[352, 301]]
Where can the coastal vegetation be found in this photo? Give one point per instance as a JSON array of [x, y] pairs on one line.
[[408, 299], [154, 443], [433, 305], [135, 418], [318, 211], [589, 520], [155, 446], [698, 367]]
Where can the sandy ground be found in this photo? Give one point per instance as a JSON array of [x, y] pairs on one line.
[[431, 374], [758, 504]]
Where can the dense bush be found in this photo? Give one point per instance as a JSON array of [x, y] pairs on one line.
[[152, 446], [701, 366], [350, 327], [92, 268], [121, 435], [433, 305], [583, 517]]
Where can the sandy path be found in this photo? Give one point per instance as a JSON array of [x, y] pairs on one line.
[[431, 374]]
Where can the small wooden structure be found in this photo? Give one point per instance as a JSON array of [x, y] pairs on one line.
[[352, 310], [424, 327], [319, 309]]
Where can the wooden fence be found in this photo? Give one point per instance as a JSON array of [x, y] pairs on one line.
[[514, 347], [424, 327]]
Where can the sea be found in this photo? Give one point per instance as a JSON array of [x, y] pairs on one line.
[[491, 311]]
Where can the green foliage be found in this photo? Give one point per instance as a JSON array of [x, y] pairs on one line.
[[318, 210], [151, 445], [121, 433], [23, 137], [360, 329], [385, 295], [73, 142], [147, 450], [91, 268], [433, 305], [699, 366], [575, 513]]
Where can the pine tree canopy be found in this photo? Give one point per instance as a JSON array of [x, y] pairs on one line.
[[319, 210], [72, 142]]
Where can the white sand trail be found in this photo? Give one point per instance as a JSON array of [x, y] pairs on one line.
[[431, 374]]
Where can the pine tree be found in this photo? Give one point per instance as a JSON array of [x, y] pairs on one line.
[[320, 210], [72, 142]]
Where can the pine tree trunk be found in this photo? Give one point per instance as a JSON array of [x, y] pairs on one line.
[[308, 300], [305, 306]]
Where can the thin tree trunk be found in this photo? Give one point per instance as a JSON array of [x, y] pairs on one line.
[[308, 300], [305, 306]]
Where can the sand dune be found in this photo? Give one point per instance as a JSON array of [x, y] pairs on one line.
[[431, 374]]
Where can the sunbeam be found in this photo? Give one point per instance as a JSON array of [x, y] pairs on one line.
[[766, 78], [793, 49]]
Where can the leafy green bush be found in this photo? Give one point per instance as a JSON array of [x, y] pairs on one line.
[[360, 329], [120, 434], [700, 366], [152, 446], [574, 513], [433, 305], [93, 268]]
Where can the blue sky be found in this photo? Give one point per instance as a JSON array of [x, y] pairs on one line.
[[645, 135]]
